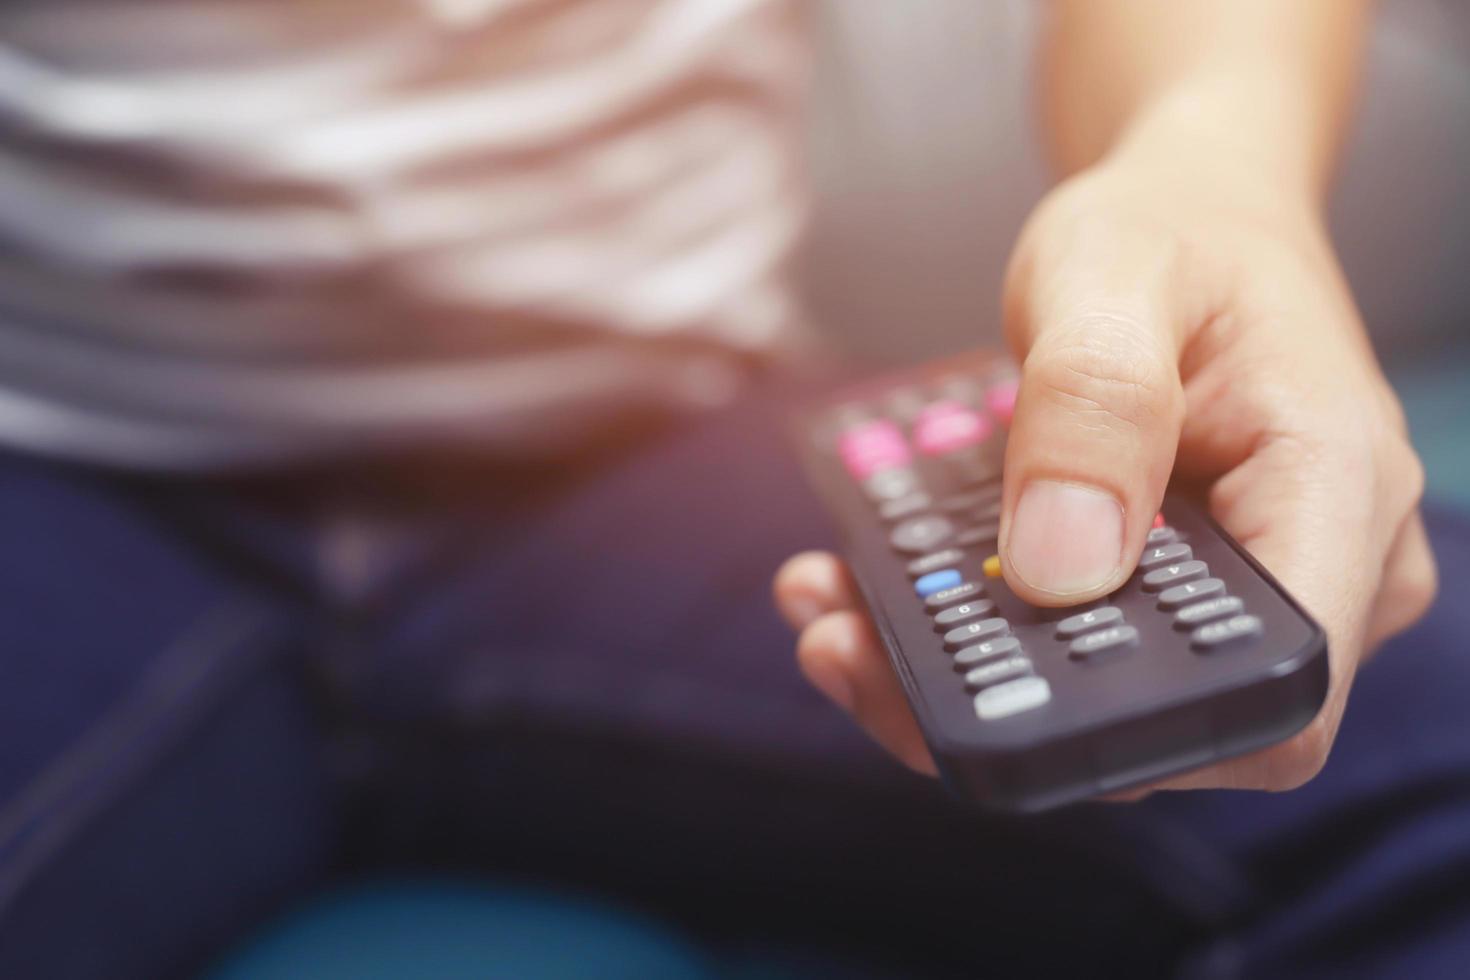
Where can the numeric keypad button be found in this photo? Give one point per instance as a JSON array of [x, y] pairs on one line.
[[1182, 595], [1165, 554], [979, 653], [1104, 640], [963, 613], [1213, 636], [1086, 622], [972, 633], [919, 534], [1211, 609], [1162, 578]]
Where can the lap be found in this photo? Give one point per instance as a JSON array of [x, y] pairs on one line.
[[148, 716]]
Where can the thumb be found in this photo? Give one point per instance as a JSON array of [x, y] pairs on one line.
[[1096, 426]]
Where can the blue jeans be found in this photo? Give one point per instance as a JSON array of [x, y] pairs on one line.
[[219, 695]]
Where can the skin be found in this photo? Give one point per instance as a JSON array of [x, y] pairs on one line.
[[1176, 305]]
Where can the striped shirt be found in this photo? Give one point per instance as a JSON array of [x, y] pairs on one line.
[[234, 231]]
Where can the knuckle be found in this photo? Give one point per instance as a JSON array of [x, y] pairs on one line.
[[1108, 368]]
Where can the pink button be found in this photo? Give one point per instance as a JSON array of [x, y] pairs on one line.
[[1001, 400], [873, 446], [947, 426]]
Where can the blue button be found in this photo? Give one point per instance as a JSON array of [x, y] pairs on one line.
[[934, 581]]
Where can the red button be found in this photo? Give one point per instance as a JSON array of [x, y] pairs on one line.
[[873, 446], [947, 426], [1001, 400]]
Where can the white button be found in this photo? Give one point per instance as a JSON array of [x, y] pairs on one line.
[[1011, 698]]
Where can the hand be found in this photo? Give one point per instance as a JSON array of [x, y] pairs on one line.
[[1175, 299]]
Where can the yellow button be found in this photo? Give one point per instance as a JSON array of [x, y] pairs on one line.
[[992, 566]]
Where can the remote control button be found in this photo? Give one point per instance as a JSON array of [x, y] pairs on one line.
[[1091, 644], [970, 500], [935, 562], [1202, 612], [938, 582], [1182, 595], [988, 675], [1086, 622], [963, 636], [871, 447], [891, 484], [1160, 535], [991, 567], [973, 656], [979, 534], [920, 534], [1161, 578], [988, 512], [970, 470], [1166, 554], [907, 506], [1216, 635], [1012, 698], [905, 404], [945, 598], [1159, 520], [1000, 400], [949, 426], [955, 615]]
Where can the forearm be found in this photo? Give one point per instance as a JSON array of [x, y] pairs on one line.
[[1269, 79]]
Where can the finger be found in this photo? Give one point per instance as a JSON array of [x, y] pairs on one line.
[[841, 656], [1410, 581], [811, 584], [1097, 418]]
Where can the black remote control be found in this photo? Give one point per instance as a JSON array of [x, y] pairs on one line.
[[1199, 657]]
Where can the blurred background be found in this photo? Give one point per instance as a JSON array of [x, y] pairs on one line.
[[927, 161]]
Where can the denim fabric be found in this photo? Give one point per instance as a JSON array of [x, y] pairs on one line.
[[220, 695]]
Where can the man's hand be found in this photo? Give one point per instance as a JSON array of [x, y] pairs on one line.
[[1177, 295]]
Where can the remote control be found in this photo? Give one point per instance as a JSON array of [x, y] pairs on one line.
[[1198, 657]]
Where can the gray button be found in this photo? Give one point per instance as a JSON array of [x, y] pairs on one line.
[[945, 598], [1165, 554], [989, 512], [919, 534], [1086, 622], [1112, 638], [979, 653], [891, 484], [1216, 635], [1161, 578], [905, 404], [964, 613], [971, 633], [979, 534], [906, 506], [974, 471], [1012, 697], [937, 561], [1160, 535], [988, 675], [1202, 612], [961, 502], [1182, 595]]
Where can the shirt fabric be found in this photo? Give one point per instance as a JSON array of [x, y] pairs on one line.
[[245, 230]]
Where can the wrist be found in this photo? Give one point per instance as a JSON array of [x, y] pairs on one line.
[[1234, 129]]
